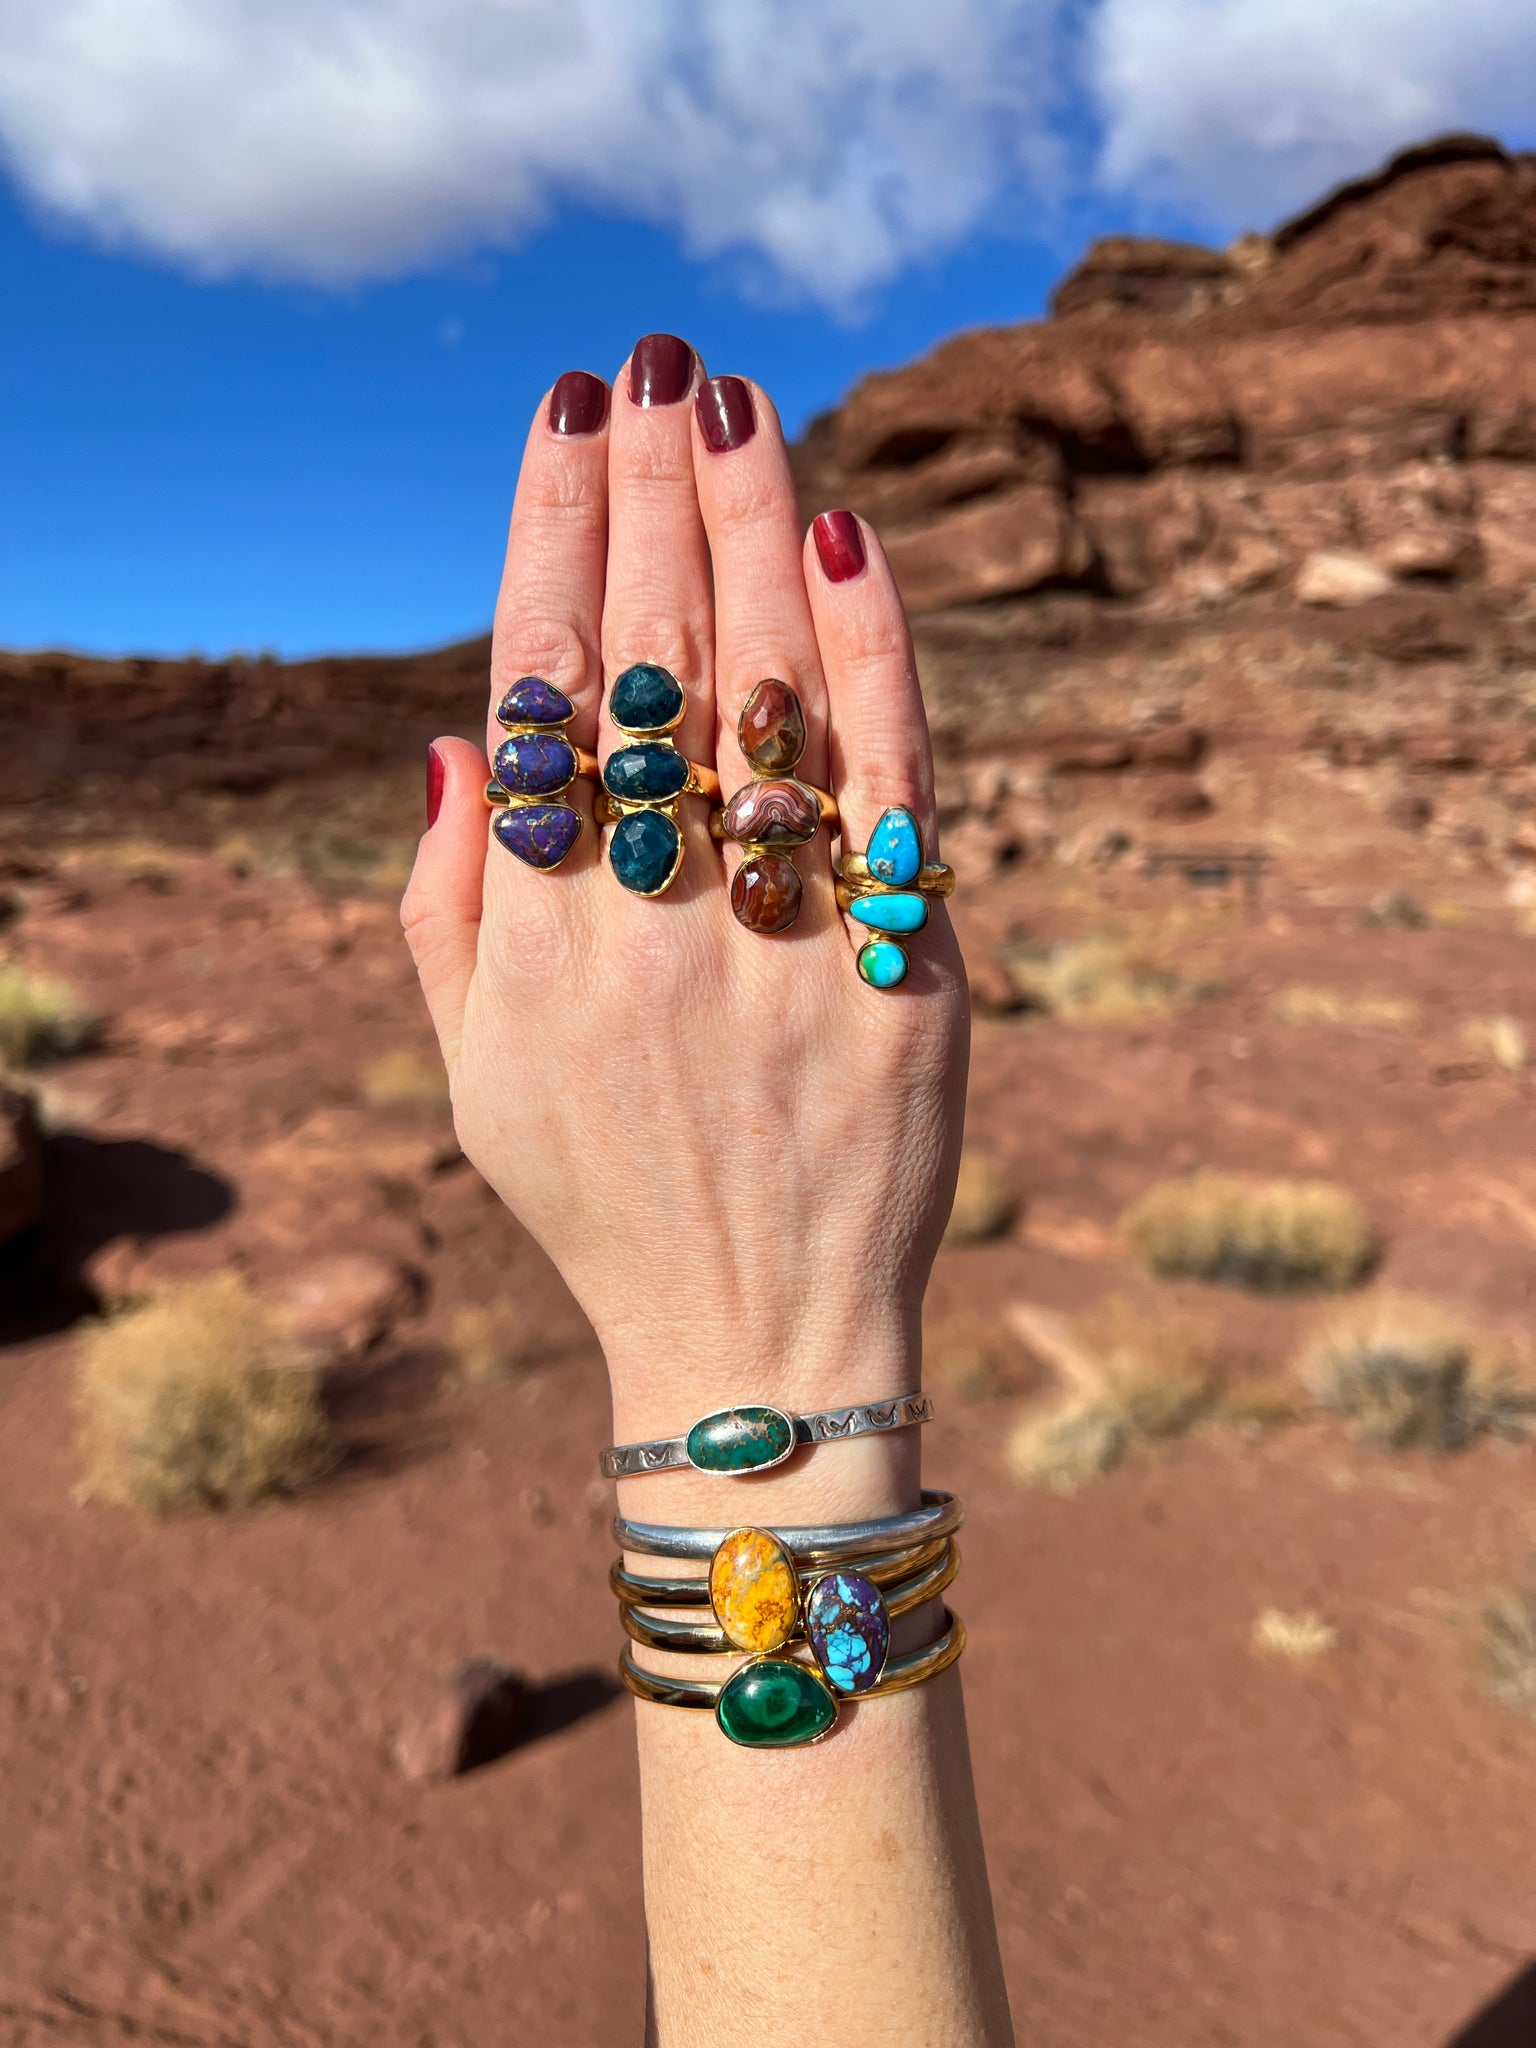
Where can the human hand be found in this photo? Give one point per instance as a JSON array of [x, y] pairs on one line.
[[738, 1154]]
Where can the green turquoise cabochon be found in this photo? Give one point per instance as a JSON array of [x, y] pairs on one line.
[[775, 1704], [740, 1440], [882, 963]]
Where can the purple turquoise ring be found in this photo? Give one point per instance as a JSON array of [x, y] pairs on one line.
[[532, 771]]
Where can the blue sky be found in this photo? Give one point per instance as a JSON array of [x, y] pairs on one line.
[[283, 279]]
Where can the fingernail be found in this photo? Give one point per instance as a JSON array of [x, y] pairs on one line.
[[578, 404], [726, 420], [660, 370], [839, 544], [435, 779]]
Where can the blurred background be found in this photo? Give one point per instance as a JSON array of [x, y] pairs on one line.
[[1183, 355]]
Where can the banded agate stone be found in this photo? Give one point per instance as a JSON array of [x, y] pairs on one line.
[[775, 1704], [753, 1590], [772, 814], [740, 1440], [766, 892], [849, 1629], [771, 728]]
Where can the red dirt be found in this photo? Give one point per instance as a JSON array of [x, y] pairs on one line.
[[203, 1840]]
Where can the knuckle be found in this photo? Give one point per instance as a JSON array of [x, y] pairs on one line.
[[680, 645], [528, 642]]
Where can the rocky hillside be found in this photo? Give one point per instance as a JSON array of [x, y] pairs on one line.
[[1339, 407]]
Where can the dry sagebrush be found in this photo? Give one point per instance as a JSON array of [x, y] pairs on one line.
[[200, 1398], [1413, 1377], [1275, 1237]]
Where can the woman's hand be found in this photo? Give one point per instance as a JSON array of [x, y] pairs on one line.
[[739, 1155]]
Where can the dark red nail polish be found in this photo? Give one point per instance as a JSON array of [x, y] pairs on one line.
[[660, 370], [436, 776], [578, 404], [839, 544], [726, 419]]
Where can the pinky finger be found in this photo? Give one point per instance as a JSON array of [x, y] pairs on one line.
[[441, 909]]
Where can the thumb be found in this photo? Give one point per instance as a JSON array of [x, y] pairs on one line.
[[441, 907]]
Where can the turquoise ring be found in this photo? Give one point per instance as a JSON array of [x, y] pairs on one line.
[[886, 890]]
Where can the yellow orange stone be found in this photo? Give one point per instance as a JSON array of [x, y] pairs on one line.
[[753, 1590]]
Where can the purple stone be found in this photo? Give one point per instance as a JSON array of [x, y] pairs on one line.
[[532, 701], [849, 1630], [540, 834], [535, 764]]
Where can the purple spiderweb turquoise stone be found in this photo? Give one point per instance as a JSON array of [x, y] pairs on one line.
[[535, 764], [849, 1629], [540, 834], [532, 701]]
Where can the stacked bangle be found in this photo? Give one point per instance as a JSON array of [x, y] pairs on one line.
[[830, 1590]]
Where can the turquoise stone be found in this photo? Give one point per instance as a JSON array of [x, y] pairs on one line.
[[882, 963], [646, 698], [774, 1704], [848, 1626], [740, 1440], [647, 774], [644, 852], [890, 913], [895, 850]]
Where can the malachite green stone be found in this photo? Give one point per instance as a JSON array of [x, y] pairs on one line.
[[895, 850], [774, 1704], [740, 1440], [890, 913], [882, 963], [647, 774], [645, 851], [646, 698]]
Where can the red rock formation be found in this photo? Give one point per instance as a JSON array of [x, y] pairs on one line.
[[1192, 424]]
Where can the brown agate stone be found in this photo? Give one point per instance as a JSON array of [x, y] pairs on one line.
[[771, 728], [765, 893], [772, 814]]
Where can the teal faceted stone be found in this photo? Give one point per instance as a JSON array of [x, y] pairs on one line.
[[645, 851], [895, 850], [740, 1440], [647, 774], [882, 963], [646, 698], [890, 913], [774, 1704]]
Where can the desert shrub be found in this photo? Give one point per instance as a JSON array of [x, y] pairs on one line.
[[199, 1398], [1412, 1377], [1509, 1651], [491, 1341], [1298, 1636], [1134, 1379], [404, 1076], [1398, 909], [985, 1204], [1272, 1236], [972, 1355], [1304, 1005], [40, 1019], [1500, 1039], [1099, 980]]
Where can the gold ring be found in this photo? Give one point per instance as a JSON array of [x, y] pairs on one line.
[[535, 766], [934, 879], [635, 1589]]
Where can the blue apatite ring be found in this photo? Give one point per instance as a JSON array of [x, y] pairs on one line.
[[645, 780], [531, 774], [886, 889]]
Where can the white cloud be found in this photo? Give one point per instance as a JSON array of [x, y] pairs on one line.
[[832, 142], [329, 140], [1241, 110]]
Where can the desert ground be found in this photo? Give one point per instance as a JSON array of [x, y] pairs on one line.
[[1242, 788]]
